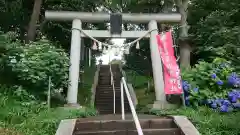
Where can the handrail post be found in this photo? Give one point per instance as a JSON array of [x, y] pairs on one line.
[[122, 101], [134, 114], [114, 94]]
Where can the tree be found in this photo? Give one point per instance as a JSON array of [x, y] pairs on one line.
[[34, 18], [185, 48], [216, 30]]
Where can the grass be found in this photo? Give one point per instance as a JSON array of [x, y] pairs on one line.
[[144, 97], [206, 120], [137, 80], [84, 93], [31, 117]]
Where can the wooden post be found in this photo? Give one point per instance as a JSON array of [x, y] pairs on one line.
[[49, 93]]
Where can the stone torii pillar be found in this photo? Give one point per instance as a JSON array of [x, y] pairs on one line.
[[78, 17]]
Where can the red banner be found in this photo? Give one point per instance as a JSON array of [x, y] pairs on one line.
[[171, 71]]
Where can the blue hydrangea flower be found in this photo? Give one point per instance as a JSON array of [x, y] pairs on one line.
[[214, 76], [219, 82], [234, 95], [219, 101], [186, 86], [187, 103], [226, 102], [223, 108], [233, 79], [230, 95], [238, 95], [214, 105], [196, 89], [234, 99]]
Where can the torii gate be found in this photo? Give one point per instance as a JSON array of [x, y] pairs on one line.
[[78, 17]]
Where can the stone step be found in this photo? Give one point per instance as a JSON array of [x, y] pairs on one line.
[[116, 84], [104, 81], [108, 74], [102, 105], [109, 102], [109, 96], [128, 116], [110, 107], [108, 92], [110, 110], [108, 78], [109, 99], [108, 89], [124, 124], [108, 81], [170, 131], [103, 96], [108, 86]]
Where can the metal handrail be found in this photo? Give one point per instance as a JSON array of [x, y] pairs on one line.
[[134, 114], [130, 86], [114, 94]]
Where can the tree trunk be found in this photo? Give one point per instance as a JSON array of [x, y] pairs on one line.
[[185, 48], [34, 18]]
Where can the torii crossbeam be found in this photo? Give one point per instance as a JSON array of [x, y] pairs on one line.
[[78, 17]]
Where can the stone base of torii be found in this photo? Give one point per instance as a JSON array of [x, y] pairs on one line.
[[78, 17]]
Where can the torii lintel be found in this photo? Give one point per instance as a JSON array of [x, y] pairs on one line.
[[105, 17]]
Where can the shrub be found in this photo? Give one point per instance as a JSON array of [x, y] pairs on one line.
[[213, 84], [32, 64]]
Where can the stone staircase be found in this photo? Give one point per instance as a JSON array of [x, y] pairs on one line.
[[104, 91], [112, 126], [108, 123]]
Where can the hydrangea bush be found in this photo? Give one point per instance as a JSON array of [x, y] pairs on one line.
[[212, 84], [31, 65]]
